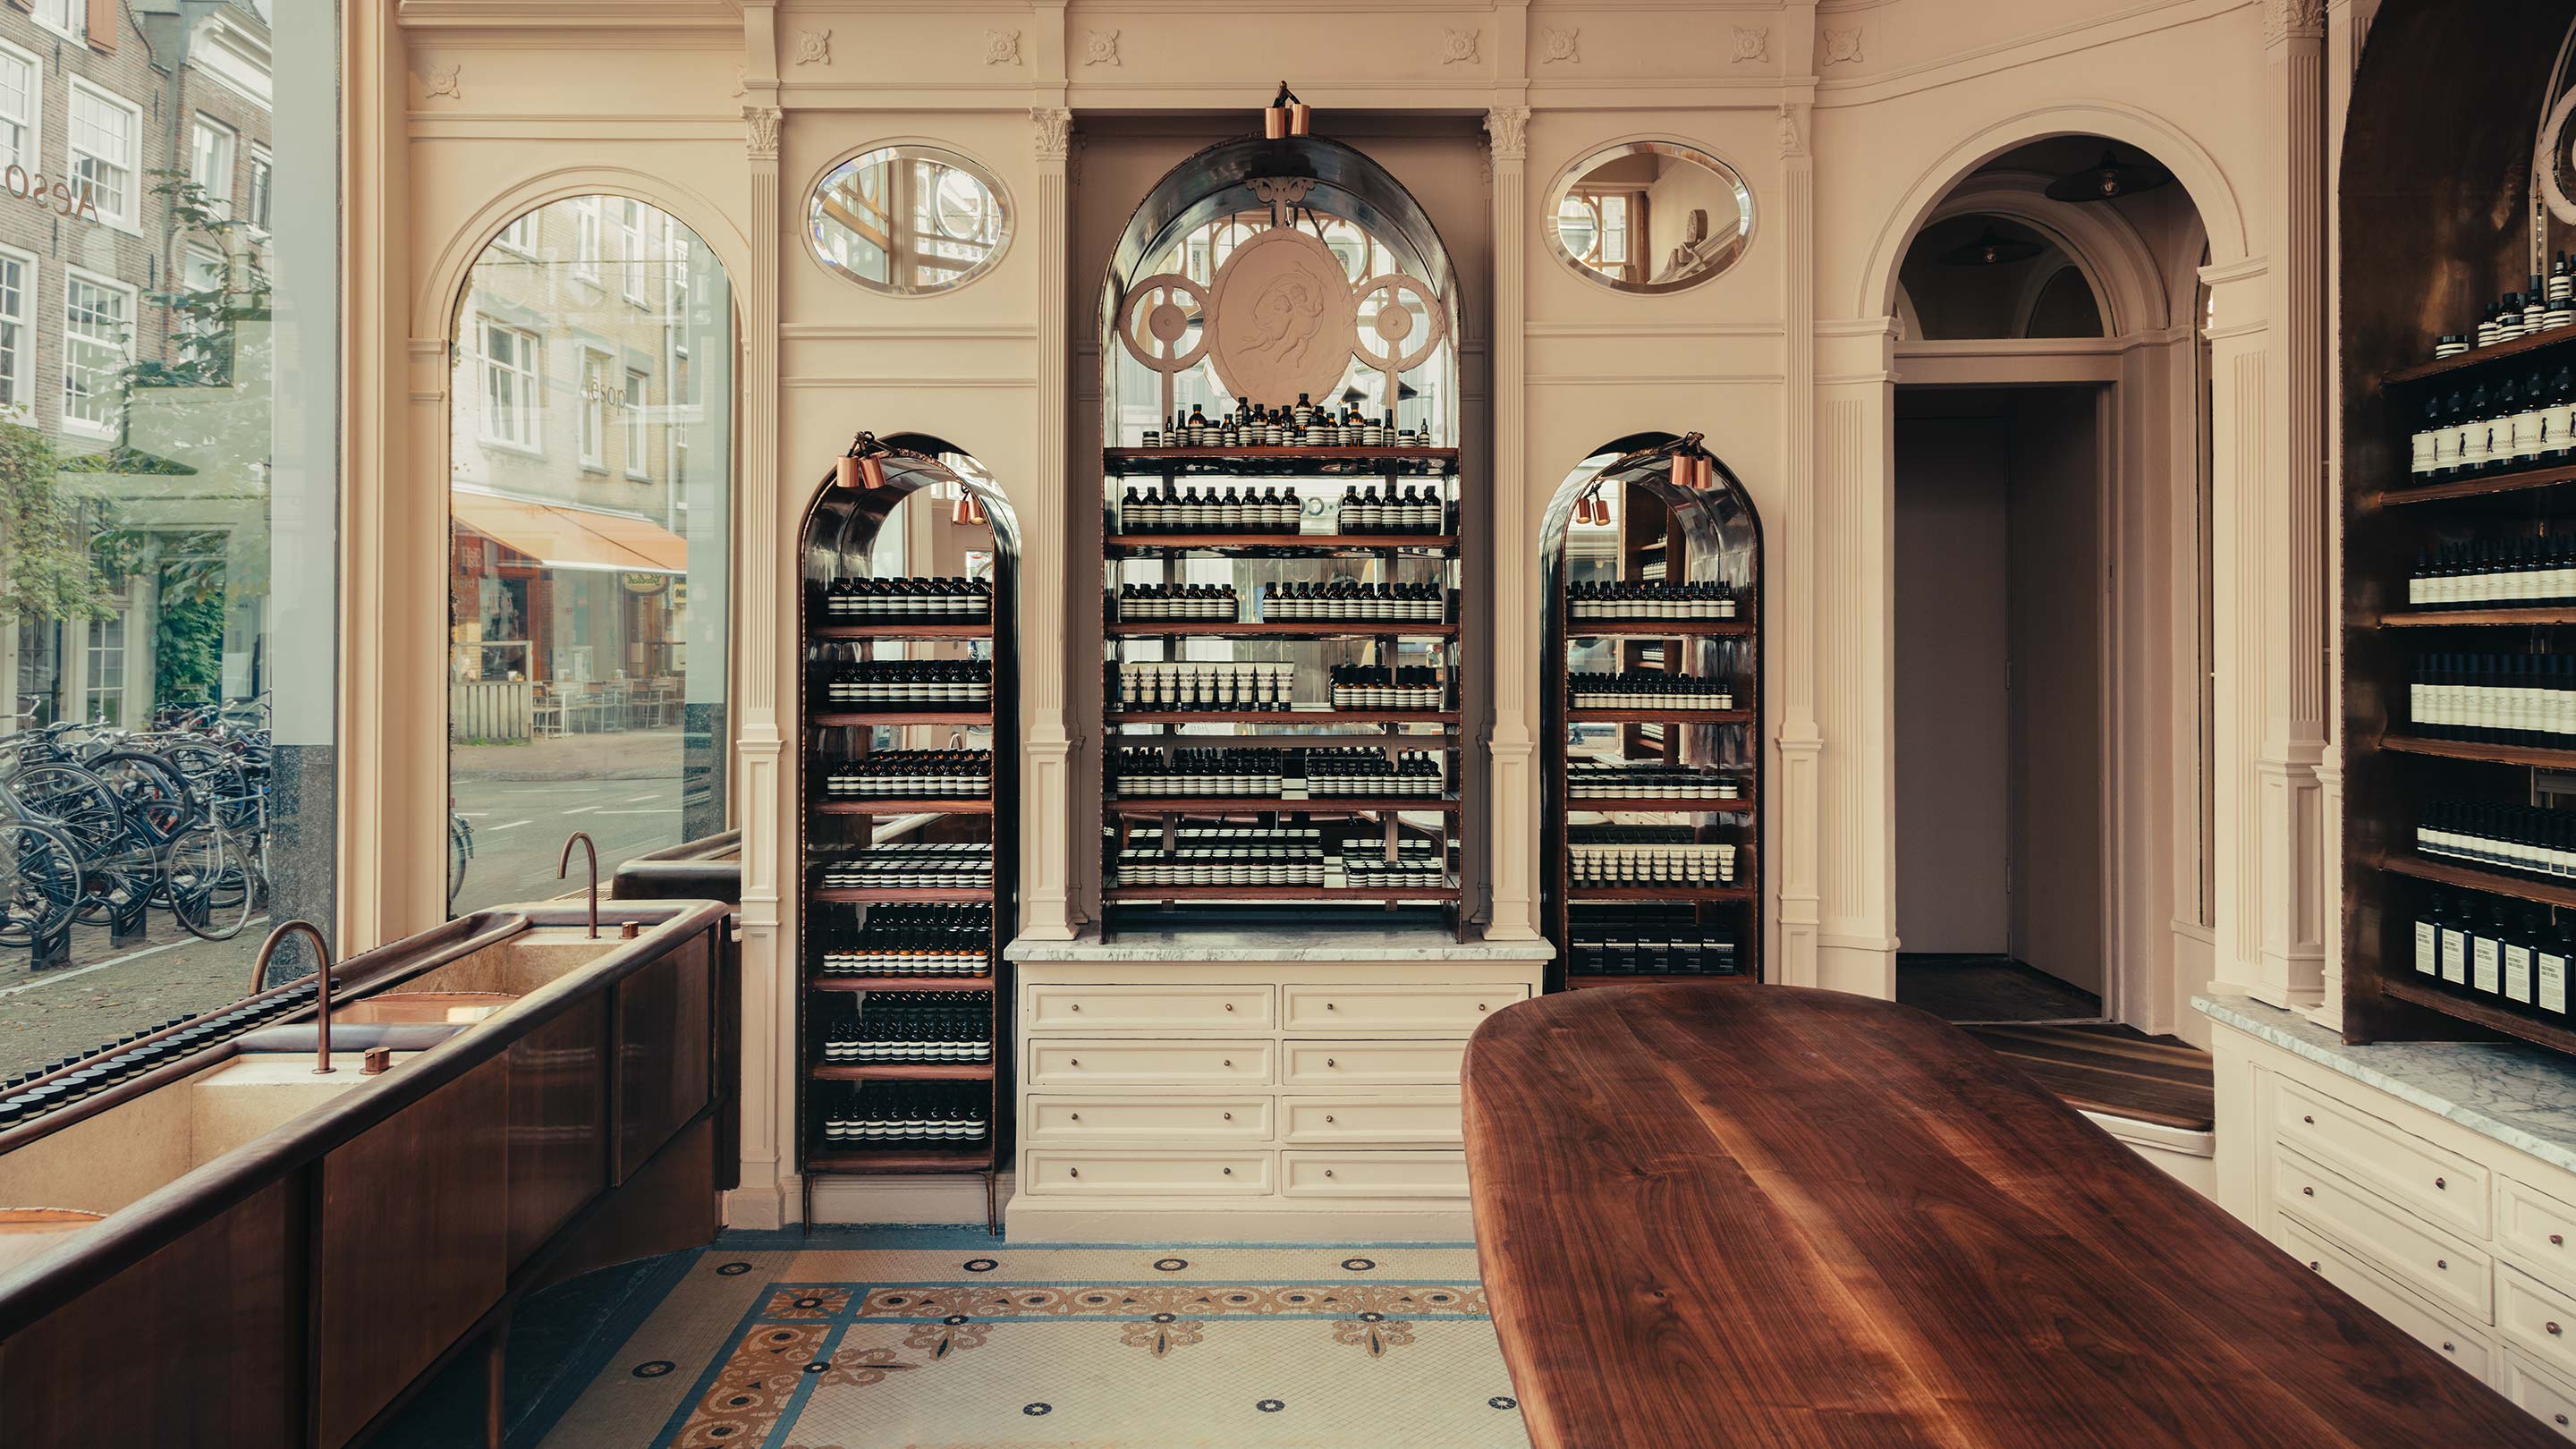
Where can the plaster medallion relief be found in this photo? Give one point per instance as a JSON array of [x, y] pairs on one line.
[[446, 81], [1457, 46], [1282, 317], [1001, 47], [1842, 47], [763, 124], [1508, 128], [813, 47], [1752, 42], [1100, 47], [1558, 45]]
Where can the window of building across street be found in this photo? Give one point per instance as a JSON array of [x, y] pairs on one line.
[[210, 164], [106, 135]]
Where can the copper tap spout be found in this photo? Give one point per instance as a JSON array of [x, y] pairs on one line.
[[322, 1012], [563, 868]]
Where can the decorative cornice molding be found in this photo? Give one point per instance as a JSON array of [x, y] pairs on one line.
[[1556, 45], [1458, 45], [1507, 127], [1054, 132], [1001, 47], [813, 47], [1100, 47], [762, 124], [1752, 42]]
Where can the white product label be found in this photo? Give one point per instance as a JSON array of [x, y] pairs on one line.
[[2517, 973], [2427, 949], [2455, 957], [2486, 966], [2553, 983]]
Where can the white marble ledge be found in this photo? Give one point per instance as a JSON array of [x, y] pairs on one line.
[[1281, 943], [2522, 1096]]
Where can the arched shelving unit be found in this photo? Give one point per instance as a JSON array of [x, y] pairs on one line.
[[870, 853], [1653, 833]]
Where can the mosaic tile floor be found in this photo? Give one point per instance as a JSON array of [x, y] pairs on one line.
[[941, 1340]]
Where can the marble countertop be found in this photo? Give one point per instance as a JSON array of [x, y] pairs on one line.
[[1164, 943], [2522, 1096]]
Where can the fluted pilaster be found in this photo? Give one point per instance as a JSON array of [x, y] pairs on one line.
[[1046, 815], [1514, 553]]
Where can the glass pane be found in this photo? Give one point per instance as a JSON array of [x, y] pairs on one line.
[[908, 220], [169, 436], [588, 578]]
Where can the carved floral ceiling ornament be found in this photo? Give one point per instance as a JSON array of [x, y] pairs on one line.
[[1842, 47], [1001, 47], [813, 47], [1457, 46], [1752, 42], [1100, 47], [1558, 45], [446, 81]]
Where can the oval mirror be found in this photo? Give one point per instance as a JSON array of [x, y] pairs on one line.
[[908, 220], [1649, 216]]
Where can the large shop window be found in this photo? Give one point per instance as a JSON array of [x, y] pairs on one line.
[[590, 550], [169, 483]]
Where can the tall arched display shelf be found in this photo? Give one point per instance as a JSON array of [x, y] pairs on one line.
[[1281, 628], [908, 711], [1653, 860]]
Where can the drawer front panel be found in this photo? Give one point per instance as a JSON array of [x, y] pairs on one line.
[[1061, 1061], [2537, 1319], [1421, 1010], [1374, 1174], [2451, 1273], [1180, 1121], [2449, 1189], [1071, 1172], [1173, 1010], [2539, 1396], [1328, 1120], [2452, 1341], [2540, 1232], [1372, 1063]]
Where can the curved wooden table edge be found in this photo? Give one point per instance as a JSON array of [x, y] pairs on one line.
[[1929, 1279]]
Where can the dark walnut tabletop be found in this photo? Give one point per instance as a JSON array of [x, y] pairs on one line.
[[1765, 1216]]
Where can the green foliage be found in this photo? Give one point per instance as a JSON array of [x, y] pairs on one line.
[[188, 647], [201, 319], [48, 569]]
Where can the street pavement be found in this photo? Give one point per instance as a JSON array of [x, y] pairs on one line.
[[522, 801]]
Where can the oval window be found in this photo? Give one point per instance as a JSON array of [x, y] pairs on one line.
[[1649, 216], [908, 220]]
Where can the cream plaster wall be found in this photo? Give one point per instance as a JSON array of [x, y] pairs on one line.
[[1849, 119]]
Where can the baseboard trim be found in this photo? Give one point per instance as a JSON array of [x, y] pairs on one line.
[[1045, 1220], [935, 1200]]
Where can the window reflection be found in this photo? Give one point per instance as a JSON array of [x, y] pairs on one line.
[[908, 219], [589, 546]]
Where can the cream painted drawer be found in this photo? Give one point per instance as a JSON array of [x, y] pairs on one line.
[[2401, 1245], [2537, 1319], [1106, 1172], [1060, 1062], [2538, 1231], [1172, 1010], [2538, 1395], [1077, 1117], [1374, 1174], [2454, 1342], [1421, 1010], [2445, 1187], [1426, 1118], [1371, 1063]]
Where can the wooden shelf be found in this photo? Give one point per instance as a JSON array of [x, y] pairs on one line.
[[2469, 878], [1577, 803], [844, 895], [1659, 716], [900, 983], [1593, 895], [845, 719], [892, 1160], [1258, 804], [1130, 462], [2537, 756], [1321, 895], [2475, 618], [2480, 356], [1283, 717], [2519, 481], [1339, 629], [891, 630], [2470, 1009], [1574, 982], [1660, 628], [1120, 544], [903, 1072], [902, 807]]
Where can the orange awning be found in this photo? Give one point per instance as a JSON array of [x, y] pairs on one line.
[[560, 537]]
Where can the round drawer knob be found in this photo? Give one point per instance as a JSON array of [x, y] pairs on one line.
[[1229, 1116], [1229, 1061], [1077, 1172], [2559, 1419], [2307, 1192], [1229, 1006], [2446, 1348], [2554, 1329], [1077, 1116], [1328, 1061], [1328, 1172], [1077, 1006], [2558, 1240], [2313, 1268], [1328, 1116], [1328, 1006], [2442, 1263], [2442, 1182], [2310, 1120], [1073, 1061], [1229, 1172], [1480, 1006]]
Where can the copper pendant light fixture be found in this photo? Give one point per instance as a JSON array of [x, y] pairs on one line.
[[1991, 249], [2109, 179], [1287, 116], [863, 466]]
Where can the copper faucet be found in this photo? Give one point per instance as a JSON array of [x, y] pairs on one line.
[[563, 868], [322, 1017]]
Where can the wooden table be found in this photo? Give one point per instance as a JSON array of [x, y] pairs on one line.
[[1758, 1215]]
